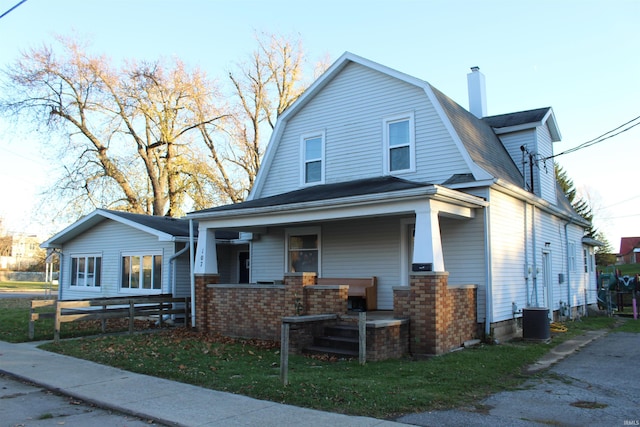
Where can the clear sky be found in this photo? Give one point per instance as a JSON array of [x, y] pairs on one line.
[[580, 57]]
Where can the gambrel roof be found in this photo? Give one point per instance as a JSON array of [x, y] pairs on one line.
[[479, 145], [477, 141]]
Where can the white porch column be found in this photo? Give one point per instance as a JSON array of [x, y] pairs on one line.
[[427, 246], [206, 257]]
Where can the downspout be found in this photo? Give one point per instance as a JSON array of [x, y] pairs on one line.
[[192, 277], [566, 238], [60, 287], [535, 264], [526, 254], [488, 305], [171, 260]]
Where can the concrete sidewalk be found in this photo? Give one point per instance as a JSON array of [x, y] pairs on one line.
[[164, 401]]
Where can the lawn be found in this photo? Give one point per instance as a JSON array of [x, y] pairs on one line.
[[14, 323], [27, 286], [378, 389], [252, 368]]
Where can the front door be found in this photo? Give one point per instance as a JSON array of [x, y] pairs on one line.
[[243, 267]]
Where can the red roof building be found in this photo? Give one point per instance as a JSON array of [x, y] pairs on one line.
[[629, 250]]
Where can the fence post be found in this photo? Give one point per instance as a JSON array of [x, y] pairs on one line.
[[32, 321], [132, 312], [284, 354], [187, 312], [362, 335], [56, 323], [103, 321]]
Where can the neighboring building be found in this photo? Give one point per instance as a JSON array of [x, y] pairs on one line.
[[629, 250], [372, 172], [110, 253], [19, 251]]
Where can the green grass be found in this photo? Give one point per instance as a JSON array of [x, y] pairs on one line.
[[252, 368], [14, 323], [27, 286], [379, 389], [625, 269], [630, 325]]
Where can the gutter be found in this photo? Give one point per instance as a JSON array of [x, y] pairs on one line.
[[566, 239], [435, 192], [488, 306], [191, 275], [172, 258]]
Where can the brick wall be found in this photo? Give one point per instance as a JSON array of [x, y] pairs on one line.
[[442, 317], [256, 311]]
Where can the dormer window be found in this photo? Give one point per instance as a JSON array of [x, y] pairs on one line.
[[399, 152], [313, 159]]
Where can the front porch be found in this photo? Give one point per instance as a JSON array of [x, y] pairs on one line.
[[429, 316]]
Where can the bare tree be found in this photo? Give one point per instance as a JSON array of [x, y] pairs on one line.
[[153, 137], [264, 86], [127, 128]]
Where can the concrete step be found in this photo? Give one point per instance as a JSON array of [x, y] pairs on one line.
[[331, 351]]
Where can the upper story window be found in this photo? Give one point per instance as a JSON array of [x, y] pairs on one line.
[[313, 158], [399, 144], [85, 270]]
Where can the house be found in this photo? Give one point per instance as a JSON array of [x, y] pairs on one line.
[[111, 253], [19, 251], [629, 250], [375, 173]]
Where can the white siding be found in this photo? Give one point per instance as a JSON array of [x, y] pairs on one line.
[[267, 256], [537, 141], [362, 248], [182, 274], [110, 239], [463, 248], [350, 113], [512, 142], [365, 248], [545, 169], [508, 256]]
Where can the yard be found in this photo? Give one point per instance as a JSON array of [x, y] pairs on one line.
[[381, 389]]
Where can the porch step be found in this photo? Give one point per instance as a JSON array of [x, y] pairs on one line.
[[345, 331], [331, 351], [339, 341]]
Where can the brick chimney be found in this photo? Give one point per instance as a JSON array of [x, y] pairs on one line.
[[477, 93]]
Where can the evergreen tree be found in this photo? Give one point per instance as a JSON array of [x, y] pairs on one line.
[[604, 254]]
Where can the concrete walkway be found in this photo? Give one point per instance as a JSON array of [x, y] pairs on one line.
[[167, 402]]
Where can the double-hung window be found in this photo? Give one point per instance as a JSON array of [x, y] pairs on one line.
[[313, 158], [399, 144], [141, 271], [86, 270], [303, 250]]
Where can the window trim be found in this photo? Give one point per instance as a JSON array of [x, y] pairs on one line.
[[142, 254], [303, 231], [304, 160], [72, 274], [386, 157]]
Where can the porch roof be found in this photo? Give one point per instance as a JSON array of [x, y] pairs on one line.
[[353, 199], [339, 190]]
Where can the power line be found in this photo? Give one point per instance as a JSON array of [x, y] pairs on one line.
[[607, 135], [2, 16]]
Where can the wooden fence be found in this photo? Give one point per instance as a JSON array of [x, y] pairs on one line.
[[108, 308]]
